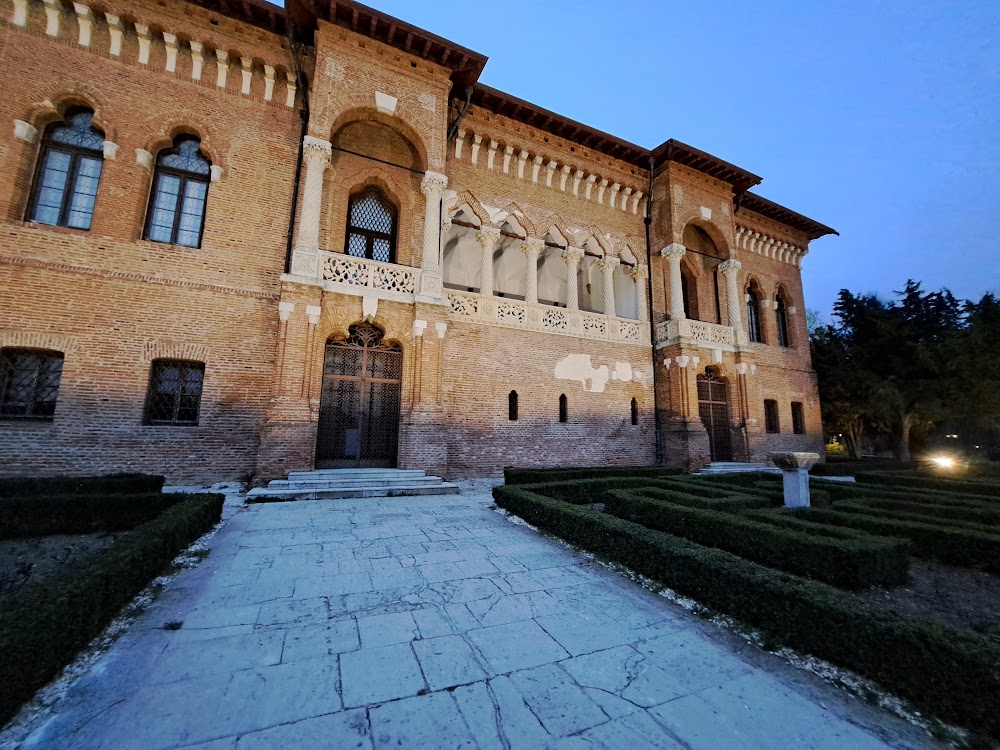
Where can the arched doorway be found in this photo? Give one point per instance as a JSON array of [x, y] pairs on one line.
[[359, 407], [713, 408]]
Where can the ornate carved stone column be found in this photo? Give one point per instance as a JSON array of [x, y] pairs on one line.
[[316, 155], [432, 186], [730, 269], [532, 248], [638, 275], [572, 256], [487, 237], [607, 264], [673, 253]]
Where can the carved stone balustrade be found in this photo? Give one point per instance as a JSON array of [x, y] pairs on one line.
[[360, 276], [699, 333]]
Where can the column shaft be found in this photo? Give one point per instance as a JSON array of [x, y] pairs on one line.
[[733, 302], [673, 253], [532, 249]]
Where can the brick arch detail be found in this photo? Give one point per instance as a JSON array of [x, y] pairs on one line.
[[58, 342], [158, 132], [406, 120], [51, 105], [167, 349], [467, 197], [725, 247]]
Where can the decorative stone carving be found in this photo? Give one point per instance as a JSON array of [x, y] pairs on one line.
[[25, 131], [795, 475], [360, 272]]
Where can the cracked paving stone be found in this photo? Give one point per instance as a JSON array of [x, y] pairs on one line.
[[448, 661], [427, 721], [516, 645], [343, 731], [374, 675], [557, 701]]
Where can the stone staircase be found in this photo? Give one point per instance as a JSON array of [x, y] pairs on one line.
[[339, 484], [735, 467]]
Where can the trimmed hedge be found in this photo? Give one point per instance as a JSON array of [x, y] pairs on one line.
[[854, 490], [45, 625], [79, 514], [106, 485], [855, 506], [948, 673], [588, 491], [956, 486], [850, 467], [954, 512], [952, 545], [532, 476], [728, 504], [849, 563]]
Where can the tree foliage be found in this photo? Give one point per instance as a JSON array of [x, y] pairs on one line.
[[898, 367]]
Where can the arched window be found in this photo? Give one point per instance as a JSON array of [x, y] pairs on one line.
[[180, 188], [563, 408], [29, 383], [781, 319], [635, 412], [174, 394], [69, 171], [512, 406], [371, 226], [753, 314]]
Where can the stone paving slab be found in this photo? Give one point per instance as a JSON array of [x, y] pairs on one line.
[[433, 622]]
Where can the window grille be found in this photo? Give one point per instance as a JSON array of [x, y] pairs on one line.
[[512, 406], [798, 419], [29, 383], [771, 423], [371, 227], [69, 172], [174, 396], [180, 190]]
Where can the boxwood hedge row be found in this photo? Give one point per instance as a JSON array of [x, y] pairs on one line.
[[957, 486], [728, 504], [850, 563], [78, 514], [532, 476], [950, 674], [45, 624], [951, 512], [110, 484]]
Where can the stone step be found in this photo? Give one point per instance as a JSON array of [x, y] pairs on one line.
[[266, 494], [338, 483], [355, 473]]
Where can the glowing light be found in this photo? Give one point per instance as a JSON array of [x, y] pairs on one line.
[[945, 462]]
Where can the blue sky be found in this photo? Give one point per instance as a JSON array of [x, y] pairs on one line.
[[880, 119]]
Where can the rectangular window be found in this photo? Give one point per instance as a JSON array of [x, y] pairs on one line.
[[798, 419], [771, 423], [29, 383], [174, 395]]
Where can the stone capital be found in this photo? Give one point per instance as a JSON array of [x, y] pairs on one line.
[[488, 237], [608, 263], [433, 184], [674, 251], [639, 272], [572, 255], [533, 246], [730, 266], [316, 150]]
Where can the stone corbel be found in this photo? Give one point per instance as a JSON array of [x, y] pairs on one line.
[[222, 66], [197, 60], [86, 21], [143, 158], [20, 17], [313, 313], [508, 152], [117, 32], [536, 165], [613, 199], [563, 176], [145, 42], [577, 176], [216, 171], [682, 361], [522, 159], [419, 326], [550, 170], [170, 42], [477, 141], [591, 179], [290, 89], [601, 187], [110, 150], [268, 83], [285, 310], [491, 155], [246, 71], [52, 12], [441, 328], [625, 194], [25, 131], [459, 143]]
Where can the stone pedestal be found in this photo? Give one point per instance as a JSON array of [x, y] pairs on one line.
[[795, 475]]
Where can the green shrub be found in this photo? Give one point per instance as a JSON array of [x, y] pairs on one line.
[[784, 519], [79, 514], [854, 506], [853, 490], [691, 486], [850, 563], [951, 545], [532, 476], [957, 486], [955, 512], [110, 484], [587, 491], [849, 467], [728, 504], [45, 624], [951, 674]]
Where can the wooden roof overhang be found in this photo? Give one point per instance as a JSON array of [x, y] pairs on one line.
[[772, 210]]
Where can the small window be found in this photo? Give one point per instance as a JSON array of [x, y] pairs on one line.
[[753, 314], [29, 383], [512, 406], [798, 419], [781, 321], [371, 226], [635, 412], [771, 423], [174, 395], [563, 408], [69, 172], [176, 213]]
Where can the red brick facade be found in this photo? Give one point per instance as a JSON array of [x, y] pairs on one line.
[[386, 112]]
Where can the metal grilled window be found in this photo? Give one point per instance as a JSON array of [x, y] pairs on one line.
[[180, 189], [29, 383], [174, 395], [371, 226], [753, 316], [512, 406], [771, 423], [781, 319], [798, 419], [69, 171]]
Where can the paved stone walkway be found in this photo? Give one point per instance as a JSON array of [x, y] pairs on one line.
[[434, 622]]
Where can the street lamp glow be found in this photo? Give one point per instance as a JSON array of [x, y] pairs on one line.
[[945, 462]]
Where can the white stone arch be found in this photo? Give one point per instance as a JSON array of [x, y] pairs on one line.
[[509, 260], [462, 252], [590, 290], [552, 269]]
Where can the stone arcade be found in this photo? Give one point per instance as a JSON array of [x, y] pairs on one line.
[[241, 240]]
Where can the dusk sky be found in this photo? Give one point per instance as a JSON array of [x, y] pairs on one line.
[[880, 119]]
